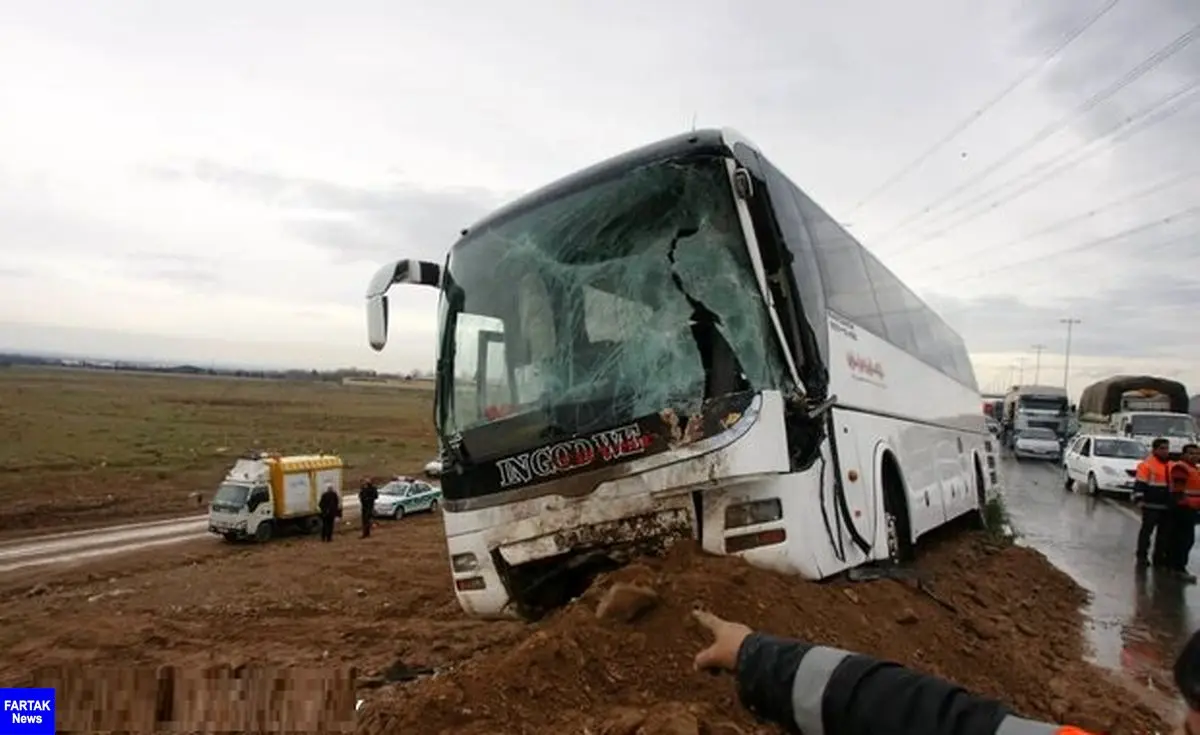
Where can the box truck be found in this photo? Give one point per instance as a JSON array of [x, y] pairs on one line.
[[1034, 407], [266, 493]]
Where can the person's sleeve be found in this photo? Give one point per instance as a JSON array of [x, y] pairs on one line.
[[816, 690], [1141, 480], [1179, 478]]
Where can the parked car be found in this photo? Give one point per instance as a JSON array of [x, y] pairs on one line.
[[1037, 443], [992, 425], [434, 468], [1102, 463], [406, 495]]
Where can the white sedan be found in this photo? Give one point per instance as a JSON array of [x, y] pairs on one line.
[[1102, 463], [1037, 443], [434, 468]]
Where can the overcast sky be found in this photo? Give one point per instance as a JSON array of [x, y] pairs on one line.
[[216, 181]]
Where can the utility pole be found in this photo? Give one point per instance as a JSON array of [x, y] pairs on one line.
[[1037, 363], [1070, 322]]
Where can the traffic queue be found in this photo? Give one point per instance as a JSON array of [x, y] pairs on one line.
[[1168, 493]]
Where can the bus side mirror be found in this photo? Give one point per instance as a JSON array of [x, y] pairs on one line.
[[416, 272]]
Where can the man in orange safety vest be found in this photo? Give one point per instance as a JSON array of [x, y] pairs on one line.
[[1181, 518], [1151, 491]]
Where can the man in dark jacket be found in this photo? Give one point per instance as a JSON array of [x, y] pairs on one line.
[[1187, 679], [367, 495], [814, 689], [330, 506], [1151, 491]]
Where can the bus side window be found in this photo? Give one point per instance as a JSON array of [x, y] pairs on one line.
[[894, 305], [848, 289]]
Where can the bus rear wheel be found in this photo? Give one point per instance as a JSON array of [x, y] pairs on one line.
[[981, 511], [895, 511]]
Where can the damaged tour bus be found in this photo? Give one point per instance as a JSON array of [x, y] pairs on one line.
[[678, 343]]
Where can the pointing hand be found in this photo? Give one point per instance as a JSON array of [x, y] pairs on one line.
[[727, 641]]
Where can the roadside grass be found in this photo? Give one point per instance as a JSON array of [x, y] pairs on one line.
[[996, 520], [75, 442]]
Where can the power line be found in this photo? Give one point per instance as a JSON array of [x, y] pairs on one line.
[[1182, 214], [1157, 246], [1144, 67], [1157, 113], [1142, 250], [1150, 248], [1065, 223], [981, 111]]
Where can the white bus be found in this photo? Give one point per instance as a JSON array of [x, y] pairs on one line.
[[677, 342]]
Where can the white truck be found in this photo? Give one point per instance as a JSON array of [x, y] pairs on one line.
[[1143, 407], [1035, 407], [264, 493]]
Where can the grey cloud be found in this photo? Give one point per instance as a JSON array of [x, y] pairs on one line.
[[1143, 318], [182, 276], [14, 274], [180, 269], [358, 223]]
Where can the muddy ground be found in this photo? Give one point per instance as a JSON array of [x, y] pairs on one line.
[[384, 606], [83, 448]]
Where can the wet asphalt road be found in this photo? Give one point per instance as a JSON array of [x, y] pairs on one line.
[[73, 547], [1138, 619]]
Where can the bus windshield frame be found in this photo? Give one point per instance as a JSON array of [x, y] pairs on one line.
[[629, 297]]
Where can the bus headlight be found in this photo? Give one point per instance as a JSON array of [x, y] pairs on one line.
[[464, 562], [753, 513]]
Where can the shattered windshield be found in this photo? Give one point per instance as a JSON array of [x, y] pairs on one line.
[[610, 303], [1176, 426]]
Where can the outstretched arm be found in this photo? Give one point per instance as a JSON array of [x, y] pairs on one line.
[[815, 690]]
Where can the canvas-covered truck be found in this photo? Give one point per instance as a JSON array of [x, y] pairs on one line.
[[266, 493], [1143, 407]]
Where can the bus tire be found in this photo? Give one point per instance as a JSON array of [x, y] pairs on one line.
[[895, 511], [980, 498]]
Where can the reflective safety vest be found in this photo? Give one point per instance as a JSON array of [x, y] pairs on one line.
[[1185, 485], [1151, 482], [1018, 726]]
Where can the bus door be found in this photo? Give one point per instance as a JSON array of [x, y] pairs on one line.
[[852, 506]]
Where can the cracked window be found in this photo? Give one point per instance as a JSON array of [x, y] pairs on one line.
[[625, 297]]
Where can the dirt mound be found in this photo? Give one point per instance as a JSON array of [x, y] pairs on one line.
[[998, 620]]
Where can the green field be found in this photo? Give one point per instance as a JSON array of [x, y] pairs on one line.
[[81, 446]]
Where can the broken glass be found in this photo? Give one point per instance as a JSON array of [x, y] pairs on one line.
[[624, 298]]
